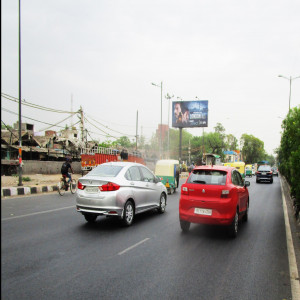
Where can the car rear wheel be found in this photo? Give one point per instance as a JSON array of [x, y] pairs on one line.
[[128, 214], [91, 218], [185, 226], [233, 228], [162, 204], [245, 218]]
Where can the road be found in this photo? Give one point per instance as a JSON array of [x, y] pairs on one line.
[[50, 252]]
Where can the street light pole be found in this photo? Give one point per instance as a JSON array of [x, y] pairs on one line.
[[161, 92], [20, 105], [290, 79], [169, 98]]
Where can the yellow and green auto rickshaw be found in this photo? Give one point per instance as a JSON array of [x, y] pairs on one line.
[[240, 165], [168, 172], [248, 170]]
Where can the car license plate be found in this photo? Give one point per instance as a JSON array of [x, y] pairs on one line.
[[263, 173], [203, 211], [92, 189]]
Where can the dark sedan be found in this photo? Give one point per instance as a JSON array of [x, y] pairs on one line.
[[275, 171], [264, 173]]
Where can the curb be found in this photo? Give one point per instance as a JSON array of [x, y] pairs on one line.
[[26, 190]]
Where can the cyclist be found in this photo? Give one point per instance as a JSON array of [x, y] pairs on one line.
[[65, 170]]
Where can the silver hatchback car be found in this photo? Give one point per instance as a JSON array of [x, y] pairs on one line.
[[120, 189]]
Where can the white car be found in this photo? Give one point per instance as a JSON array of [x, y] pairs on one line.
[[120, 189]]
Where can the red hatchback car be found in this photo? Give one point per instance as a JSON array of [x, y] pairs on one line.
[[214, 195]]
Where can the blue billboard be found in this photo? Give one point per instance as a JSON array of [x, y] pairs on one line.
[[190, 114]]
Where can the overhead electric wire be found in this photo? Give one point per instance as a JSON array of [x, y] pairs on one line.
[[100, 129], [124, 134], [55, 125], [14, 99], [9, 129], [31, 118]]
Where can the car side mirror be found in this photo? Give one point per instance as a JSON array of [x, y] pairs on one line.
[[247, 183]]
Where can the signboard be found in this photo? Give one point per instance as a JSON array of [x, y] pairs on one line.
[[190, 114]]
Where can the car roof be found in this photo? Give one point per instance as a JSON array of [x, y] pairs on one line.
[[214, 167], [122, 163]]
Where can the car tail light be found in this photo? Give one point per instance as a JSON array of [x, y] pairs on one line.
[[224, 193], [184, 190], [80, 186], [270, 173], [257, 173], [109, 187]]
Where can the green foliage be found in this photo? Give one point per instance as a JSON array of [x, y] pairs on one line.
[[289, 151], [26, 178], [6, 127], [105, 144], [253, 149]]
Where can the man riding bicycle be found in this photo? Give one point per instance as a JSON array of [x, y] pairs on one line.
[[65, 169]]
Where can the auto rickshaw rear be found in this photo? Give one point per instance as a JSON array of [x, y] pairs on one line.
[[168, 172]]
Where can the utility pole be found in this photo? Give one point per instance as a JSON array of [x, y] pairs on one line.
[[81, 124], [189, 151], [136, 136], [72, 111], [20, 105]]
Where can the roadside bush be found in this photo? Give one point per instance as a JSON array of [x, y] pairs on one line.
[[289, 152], [26, 178]]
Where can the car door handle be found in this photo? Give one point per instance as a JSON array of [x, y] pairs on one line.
[[132, 183]]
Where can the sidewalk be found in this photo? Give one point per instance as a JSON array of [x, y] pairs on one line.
[[39, 183]]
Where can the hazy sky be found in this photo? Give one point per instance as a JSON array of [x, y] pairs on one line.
[[104, 54]]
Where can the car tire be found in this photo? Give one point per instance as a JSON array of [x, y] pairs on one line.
[[162, 203], [271, 181], [257, 181], [233, 227], [128, 214], [185, 226], [91, 218], [245, 218]]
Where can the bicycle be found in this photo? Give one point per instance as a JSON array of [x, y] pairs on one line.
[[63, 185]]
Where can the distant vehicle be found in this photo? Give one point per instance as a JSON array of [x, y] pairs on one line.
[[119, 189], [240, 165], [167, 171], [264, 173], [248, 170], [275, 171], [214, 195], [92, 157]]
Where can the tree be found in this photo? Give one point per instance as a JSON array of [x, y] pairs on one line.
[[231, 142], [253, 149], [123, 141], [289, 152], [4, 126]]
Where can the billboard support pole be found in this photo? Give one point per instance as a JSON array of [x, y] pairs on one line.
[[180, 142]]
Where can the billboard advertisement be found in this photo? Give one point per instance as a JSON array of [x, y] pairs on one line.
[[190, 114]]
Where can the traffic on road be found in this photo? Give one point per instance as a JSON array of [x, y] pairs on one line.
[[48, 252]]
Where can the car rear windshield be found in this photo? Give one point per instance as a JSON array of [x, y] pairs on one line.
[[213, 177], [106, 171], [264, 169]]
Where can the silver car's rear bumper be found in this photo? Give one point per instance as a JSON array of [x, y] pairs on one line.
[[107, 211]]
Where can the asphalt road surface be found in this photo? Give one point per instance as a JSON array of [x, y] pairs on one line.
[[50, 252]]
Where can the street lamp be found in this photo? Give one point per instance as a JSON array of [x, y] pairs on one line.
[[290, 79], [169, 97], [161, 88]]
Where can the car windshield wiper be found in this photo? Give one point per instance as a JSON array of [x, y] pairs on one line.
[[199, 181]]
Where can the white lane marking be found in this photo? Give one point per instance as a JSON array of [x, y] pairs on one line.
[[37, 213], [294, 277], [133, 246]]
